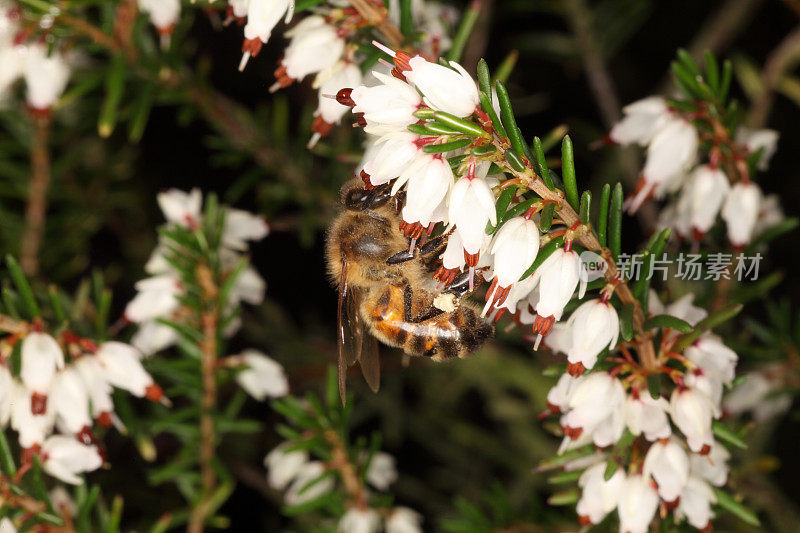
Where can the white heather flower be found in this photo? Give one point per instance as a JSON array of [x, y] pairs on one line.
[[695, 504], [283, 466], [429, 180], [404, 520], [559, 396], [515, 246], [97, 387], [70, 398], [453, 255], [64, 458], [594, 326], [392, 103], [309, 484], [152, 337], [62, 502], [740, 212], [393, 153], [242, 226], [315, 46], [157, 298], [264, 376], [249, 287], [163, 13], [12, 64], [329, 111], [755, 140], [239, 8], [157, 263], [667, 463], [262, 17], [122, 369], [648, 416], [381, 471], [682, 308], [559, 340], [357, 520], [41, 356], [471, 207], [637, 505], [46, 77], [598, 496], [32, 428], [7, 526], [669, 154], [757, 394], [6, 395], [705, 192], [712, 356], [770, 214], [452, 91], [596, 401], [712, 467], [557, 276], [692, 411], [180, 207], [641, 121]]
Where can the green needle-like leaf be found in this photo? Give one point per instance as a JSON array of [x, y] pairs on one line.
[[568, 172], [727, 502], [23, 287], [586, 207], [602, 219], [668, 321], [615, 222], [541, 163]]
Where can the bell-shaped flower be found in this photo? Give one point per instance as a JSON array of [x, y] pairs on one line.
[[381, 471], [759, 394], [314, 47], [638, 502], [6, 392], [642, 120], [594, 326], [32, 428], [152, 337], [559, 340], [595, 401], [740, 212], [163, 14], [706, 382], [671, 151], [515, 246], [40, 356], [450, 90], [692, 411], [238, 8], [392, 155], [705, 192], [695, 505], [181, 208], [712, 467], [329, 112], [283, 465], [12, 65], [70, 398], [429, 180], [242, 226], [770, 214], [263, 16], [123, 369], [7, 526], [710, 354], [668, 464], [46, 77], [309, 484], [682, 308], [392, 103], [157, 298], [249, 287], [471, 207], [403, 520], [64, 458], [264, 377], [98, 389], [559, 396], [647, 416], [357, 520], [765, 140], [598, 496], [557, 276]]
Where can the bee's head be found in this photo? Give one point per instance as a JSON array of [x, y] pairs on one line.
[[360, 199]]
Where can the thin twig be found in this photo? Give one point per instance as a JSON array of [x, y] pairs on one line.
[[36, 209], [779, 61], [208, 401], [377, 16], [340, 461]]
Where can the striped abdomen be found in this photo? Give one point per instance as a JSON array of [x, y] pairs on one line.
[[445, 336]]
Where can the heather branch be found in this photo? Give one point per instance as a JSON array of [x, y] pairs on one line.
[[781, 59], [340, 461], [36, 209]]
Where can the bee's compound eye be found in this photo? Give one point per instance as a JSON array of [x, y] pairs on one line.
[[380, 196], [356, 199]]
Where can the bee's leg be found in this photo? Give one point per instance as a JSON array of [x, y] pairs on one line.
[[426, 314], [460, 285], [402, 257], [433, 245]]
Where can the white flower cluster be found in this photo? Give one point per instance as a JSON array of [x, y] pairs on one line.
[[671, 166], [677, 466], [304, 480], [64, 384], [46, 73], [159, 296]]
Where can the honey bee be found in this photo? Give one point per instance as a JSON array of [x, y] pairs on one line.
[[389, 295]]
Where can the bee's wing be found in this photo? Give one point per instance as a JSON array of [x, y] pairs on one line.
[[349, 330], [370, 361]]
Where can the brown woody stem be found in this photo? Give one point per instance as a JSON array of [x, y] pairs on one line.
[[36, 209]]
